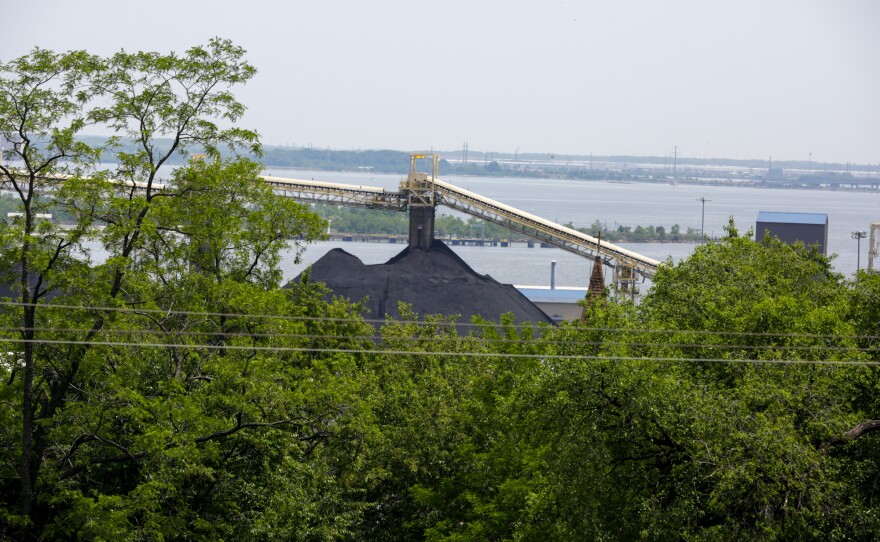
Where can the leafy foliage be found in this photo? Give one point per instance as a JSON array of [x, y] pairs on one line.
[[173, 394], [708, 411], [176, 391]]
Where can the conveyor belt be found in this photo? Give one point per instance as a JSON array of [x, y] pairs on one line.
[[467, 202]]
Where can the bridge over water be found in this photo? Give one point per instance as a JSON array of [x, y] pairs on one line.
[[421, 192]]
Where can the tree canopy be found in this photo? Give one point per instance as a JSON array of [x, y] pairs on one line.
[[177, 390], [154, 394]]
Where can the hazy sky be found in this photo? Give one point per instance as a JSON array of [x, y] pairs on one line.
[[733, 78]]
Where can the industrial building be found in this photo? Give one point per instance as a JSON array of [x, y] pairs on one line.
[[809, 228]]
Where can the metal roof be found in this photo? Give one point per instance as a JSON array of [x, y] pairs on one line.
[[557, 295], [793, 218]]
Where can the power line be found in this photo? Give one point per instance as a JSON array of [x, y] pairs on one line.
[[438, 323], [434, 338], [450, 354], [169, 312]]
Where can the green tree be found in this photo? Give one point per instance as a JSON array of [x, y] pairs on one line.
[[180, 394], [41, 112], [728, 404], [449, 448], [710, 412], [228, 431]]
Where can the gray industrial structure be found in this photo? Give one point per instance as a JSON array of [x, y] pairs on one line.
[[809, 228], [420, 193]]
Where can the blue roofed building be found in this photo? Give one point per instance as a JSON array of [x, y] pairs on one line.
[[810, 228]]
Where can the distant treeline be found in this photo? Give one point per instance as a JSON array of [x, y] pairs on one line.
[[378, 161], [576, 167], [640, 234], [389, 161], [10, 203], [834, 178], [492, 163], [368, 221], [754, 163]]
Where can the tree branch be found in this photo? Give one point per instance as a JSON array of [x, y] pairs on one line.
[[868, 426], [239, 425]]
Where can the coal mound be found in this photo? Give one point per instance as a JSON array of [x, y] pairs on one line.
[[433, 281]]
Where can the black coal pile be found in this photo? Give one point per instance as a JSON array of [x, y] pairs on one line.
[[433, 281]]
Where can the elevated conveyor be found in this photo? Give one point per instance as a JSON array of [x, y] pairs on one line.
[[350, 195], [541, 229], [421, 192]]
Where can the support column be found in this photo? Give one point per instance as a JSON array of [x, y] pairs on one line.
[[421, 226]]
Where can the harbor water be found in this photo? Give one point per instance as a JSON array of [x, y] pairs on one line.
[[614, 204]]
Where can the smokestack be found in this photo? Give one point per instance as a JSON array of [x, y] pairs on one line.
[[552, 274]]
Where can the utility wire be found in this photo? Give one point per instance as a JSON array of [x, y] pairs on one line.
[[428, 323], [446, 354], [434, 338]]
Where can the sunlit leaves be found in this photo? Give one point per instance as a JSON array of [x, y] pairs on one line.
[[180, 97], [190, 407]]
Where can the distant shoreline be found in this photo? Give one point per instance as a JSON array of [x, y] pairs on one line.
[[738, 183], [402, 240]]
